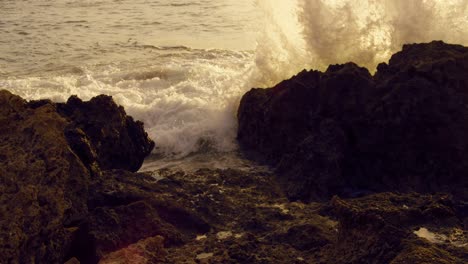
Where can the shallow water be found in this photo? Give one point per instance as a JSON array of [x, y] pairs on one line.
[[181, 66]]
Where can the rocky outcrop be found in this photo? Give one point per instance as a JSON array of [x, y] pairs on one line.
[[44, 185], [349, 133], [55, 186], [127, 207], [101, 131], [251, 221], [387, 228]]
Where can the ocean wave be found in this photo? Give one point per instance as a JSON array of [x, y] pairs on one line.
[[187, 103]]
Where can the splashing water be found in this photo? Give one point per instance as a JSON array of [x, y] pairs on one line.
[[317, 33], [181, 66]]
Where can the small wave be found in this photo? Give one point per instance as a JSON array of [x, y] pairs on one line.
[[75, 22], [7, 59], [151, 23], [165, 48], [196, 161], [145, 75], [175, 48], [183, 4], [187, 100], [84, 3]]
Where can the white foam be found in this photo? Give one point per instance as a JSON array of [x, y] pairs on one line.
[[187, 102], [223, 235], [455, 237], [430, 236]]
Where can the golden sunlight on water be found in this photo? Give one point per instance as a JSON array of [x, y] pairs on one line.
[[315, 33], [181, 66]]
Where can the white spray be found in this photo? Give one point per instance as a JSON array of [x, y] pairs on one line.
[[317, 33]]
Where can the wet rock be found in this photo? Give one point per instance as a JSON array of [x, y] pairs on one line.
[[43, 183], [413, 136], [349, 133], [251, 220], [319, 164], [307, 236], [380, 229], [126, 207], [57, 202], [103, 127], [272, 122]]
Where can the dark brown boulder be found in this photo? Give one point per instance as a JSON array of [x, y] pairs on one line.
[[101, 131], [57, 203], [414, 135], [43, 183], [346, 132], [315, 168], [272, 122]]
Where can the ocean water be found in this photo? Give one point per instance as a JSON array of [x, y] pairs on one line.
[[181, 66]]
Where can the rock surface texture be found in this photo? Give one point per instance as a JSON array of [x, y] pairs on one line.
[[118, 142], [346, 132], [53, 159], [43, 184]]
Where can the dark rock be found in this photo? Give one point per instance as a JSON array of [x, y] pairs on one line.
[[274, 121], [73, 261], [43, 184], [413, 137], [57, 204], [100, 125], [127, 207], [251, 220], [348, 133], [381, 228], [306, 236], [321, 157], [149, 250]]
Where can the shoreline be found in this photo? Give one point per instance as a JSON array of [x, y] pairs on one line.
[[71, 192]]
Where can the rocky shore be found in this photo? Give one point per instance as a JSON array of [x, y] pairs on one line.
[[345, 132], [365, 169]]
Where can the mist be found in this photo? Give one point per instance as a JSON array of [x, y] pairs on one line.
[[313, 34]]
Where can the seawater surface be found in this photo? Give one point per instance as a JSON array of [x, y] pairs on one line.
[[181, 66], [178, 65]]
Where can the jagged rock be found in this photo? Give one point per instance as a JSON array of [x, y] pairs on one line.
[[414, 135], [57, 203], [381, 228], [127, 207], [101, 131], [43, 183], [274, 121], [348, 133]]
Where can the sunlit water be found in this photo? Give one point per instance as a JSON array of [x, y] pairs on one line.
[[181, 66]]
